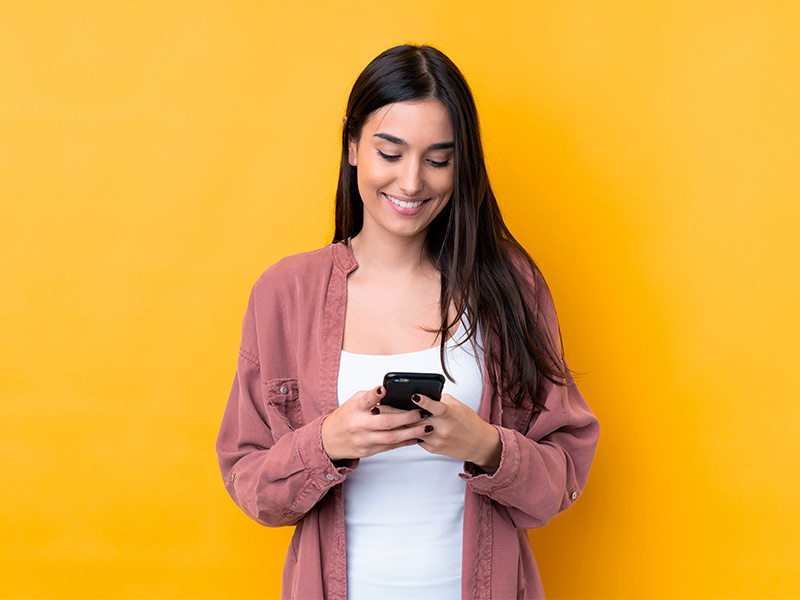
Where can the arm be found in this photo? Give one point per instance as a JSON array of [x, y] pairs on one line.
[[274, 468], [544, 463], [541, 474], [275, 482]]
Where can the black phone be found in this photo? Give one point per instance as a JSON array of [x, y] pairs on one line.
[[400, 387]]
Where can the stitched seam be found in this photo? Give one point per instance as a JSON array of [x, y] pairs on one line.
[[476, 570], [312, 484], [253, 358], [291, 511], [271, 404], [513, 476], [488, 546]]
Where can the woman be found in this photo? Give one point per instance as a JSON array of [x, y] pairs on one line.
[[423, 275]]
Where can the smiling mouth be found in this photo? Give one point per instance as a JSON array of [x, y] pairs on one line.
[[403, 203]]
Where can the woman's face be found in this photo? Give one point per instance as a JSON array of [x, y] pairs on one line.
[[404, 161]]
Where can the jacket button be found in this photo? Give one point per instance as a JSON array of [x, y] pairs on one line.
[[330, 476], [284, 389], [233, 476], [574, 495]]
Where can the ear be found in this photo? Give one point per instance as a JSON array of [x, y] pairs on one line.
[[353, 153]]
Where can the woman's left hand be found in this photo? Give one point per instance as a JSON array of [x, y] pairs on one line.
[[459, 432]]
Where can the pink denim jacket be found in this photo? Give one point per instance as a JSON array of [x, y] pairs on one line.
[[270, 441]]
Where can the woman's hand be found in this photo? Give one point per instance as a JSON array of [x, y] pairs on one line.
[[359, 427], [458, 431]]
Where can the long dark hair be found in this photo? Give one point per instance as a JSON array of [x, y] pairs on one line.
[[480, 262]]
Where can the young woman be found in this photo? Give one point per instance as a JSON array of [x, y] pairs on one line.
[[422, 275]]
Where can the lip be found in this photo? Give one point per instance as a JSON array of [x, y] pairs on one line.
[[404, 205]]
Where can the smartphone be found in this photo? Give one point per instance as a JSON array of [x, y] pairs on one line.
[[401, 386]]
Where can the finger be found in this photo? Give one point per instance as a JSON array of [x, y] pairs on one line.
[[435, 407], [399, 436], [424, 438], [448, 399], [402, 418], [393, 446], [389, 410], [370, 398], [423, 414]]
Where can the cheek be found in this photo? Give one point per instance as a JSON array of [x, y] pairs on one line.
[[372, 174], [366, 184], [444, 184]]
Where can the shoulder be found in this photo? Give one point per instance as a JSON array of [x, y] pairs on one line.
[[535, 289], [298, 271], [292, 287], [290, 267], [528, 272]]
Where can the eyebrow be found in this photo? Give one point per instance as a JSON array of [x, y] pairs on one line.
[[396, 140]]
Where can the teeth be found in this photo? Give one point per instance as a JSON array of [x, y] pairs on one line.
[[402, 204]]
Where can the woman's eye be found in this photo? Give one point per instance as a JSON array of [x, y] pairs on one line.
[[439, 164], [390, 157]]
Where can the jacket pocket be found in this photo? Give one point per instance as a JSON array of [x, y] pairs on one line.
[[282, 405], [517, 417]]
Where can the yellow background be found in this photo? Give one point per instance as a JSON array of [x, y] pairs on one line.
[[156, 157]]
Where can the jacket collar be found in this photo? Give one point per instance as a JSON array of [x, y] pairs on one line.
[[344, 258]]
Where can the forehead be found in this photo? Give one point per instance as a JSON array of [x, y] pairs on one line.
[[421, 121]]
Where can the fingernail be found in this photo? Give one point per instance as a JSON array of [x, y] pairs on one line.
[[428, 428], [423, 414], [419, 441], [379, 391], [416, 398], [375, 410]]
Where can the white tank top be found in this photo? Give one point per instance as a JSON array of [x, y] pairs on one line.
[[404, 509]]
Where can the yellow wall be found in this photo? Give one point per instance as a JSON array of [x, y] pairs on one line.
[[155, 157]]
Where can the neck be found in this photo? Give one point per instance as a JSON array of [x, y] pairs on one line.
[[390, 254]]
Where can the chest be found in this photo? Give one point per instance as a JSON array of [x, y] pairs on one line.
[[386, 317]]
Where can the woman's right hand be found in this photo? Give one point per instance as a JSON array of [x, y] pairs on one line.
[[359, 427]]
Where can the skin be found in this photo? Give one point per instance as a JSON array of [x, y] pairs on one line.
[[404, 161]]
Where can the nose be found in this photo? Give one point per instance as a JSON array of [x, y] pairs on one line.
[[411, 182]]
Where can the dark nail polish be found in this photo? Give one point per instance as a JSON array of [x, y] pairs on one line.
[[416, 398], [423, 414], [375, 410], [428, 428], [379, 391], [419, 441]]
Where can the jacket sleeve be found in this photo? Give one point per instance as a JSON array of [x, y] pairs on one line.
[[274, 472], [545, 464]]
